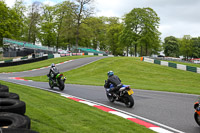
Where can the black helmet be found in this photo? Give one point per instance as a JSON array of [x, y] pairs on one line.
[[110, 73], [52, 65]]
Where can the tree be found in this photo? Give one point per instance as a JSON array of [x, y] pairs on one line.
[[141, 28], [82, 10], [9, 22], [171, 46], [20, 10], [47, 33], [113, 35], [92, 33], [33, 21], [186, 47], [64, 23], [196, 47]]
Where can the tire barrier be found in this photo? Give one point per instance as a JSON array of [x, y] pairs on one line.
[[12, 110], [13, 120], [12, 105], [16, 130], [4, 88], [9, 95]]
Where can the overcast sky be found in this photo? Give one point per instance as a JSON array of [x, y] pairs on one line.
[[177, 17]]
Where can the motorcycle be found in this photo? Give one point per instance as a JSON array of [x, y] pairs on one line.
[[124, 95], [59, 81], [197, 111]]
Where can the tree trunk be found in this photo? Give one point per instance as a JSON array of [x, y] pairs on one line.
[[135, 50], [141, 51], [127, 51], [146, 49]]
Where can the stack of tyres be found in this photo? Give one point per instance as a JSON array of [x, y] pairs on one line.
[[12, 113]]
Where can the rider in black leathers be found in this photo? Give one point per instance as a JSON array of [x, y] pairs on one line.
[[53, 72], [113, 79]]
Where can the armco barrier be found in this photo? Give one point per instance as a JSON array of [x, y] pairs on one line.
[[173, 65], [13, 63]]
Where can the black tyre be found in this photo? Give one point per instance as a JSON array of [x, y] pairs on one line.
[[9, 95], [129, 101], [28, 121], [51, 84], [197, 118], [13, 120], [17, 130], [110, 98], [12, 105], [61, 85], [4, 88]]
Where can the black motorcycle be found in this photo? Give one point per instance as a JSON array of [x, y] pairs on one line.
[[124, 95], [59, 81]]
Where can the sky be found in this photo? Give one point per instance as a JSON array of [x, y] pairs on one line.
[[177, 17]]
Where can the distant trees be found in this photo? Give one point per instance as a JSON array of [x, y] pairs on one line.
[[171, 46], [10, 23], [72, 24], [141, 29], [188, 46]]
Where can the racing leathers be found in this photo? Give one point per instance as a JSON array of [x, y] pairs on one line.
[[116, 83]]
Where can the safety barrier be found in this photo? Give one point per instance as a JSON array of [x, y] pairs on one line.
[[173, 65]]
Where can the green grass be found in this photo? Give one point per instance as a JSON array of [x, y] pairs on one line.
[[39, 64], [138, 74], [51, 113]]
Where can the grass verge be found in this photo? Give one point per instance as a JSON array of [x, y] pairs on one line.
[[138, 74], [51, 113], [38, 64]]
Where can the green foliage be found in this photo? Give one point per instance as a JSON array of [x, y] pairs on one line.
[[113, 34], [47, 34], [186, 47], [196, 47], [141, 28], [69, 24], [10, 23], [171, 46]]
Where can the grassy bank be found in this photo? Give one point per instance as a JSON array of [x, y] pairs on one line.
[[39, 64], [51, 113], [138, 74]]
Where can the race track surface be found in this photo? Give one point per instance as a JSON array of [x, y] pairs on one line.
[[170, 109]]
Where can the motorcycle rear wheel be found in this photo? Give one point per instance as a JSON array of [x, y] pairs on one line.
[[129, 102], [61, 85], [51, 84], [197, 118]]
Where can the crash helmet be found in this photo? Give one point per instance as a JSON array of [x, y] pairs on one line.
[[110, 73], [52, 65]]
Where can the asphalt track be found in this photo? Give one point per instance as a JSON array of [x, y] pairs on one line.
[[172, 111]]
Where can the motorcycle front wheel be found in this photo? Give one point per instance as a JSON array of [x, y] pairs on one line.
[[129, 101], [110, 98], [197, 118], [61, 85]]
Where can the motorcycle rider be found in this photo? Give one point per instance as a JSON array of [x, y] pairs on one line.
[[53, 72], [113, 79]]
